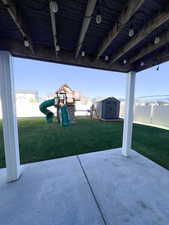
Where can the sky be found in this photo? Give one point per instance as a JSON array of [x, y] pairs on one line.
[[47, 77]]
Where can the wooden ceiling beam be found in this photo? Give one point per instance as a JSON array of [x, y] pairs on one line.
[[154, 60], [54, 32], [164, 39], [158, 21], [85, 25], [16, 17], [47, 54], [127, 13]]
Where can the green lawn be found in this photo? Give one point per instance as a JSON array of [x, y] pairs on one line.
[[41, 141]]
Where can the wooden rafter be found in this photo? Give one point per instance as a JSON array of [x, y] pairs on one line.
[[13, 12], [47, 54], [53, 24], [132, 7], [164, 39], [142, 34], [155, 60], [86, 22]]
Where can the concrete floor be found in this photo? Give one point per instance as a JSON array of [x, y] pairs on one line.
[[91, 189]]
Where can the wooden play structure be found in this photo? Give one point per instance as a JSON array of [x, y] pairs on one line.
[[64, 101]]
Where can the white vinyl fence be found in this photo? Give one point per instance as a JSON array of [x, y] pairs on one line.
[[161, 115], [24, 109], [149, 114], [142, 113], [27, 109]]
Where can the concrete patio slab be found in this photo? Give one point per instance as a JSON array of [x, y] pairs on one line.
[[53, 192], [130, 191], [102, 188]]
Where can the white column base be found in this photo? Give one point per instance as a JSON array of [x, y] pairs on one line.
[[10, 129], [129, 111]]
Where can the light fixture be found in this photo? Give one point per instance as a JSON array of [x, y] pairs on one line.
[[98, 18], [157, 40], [26, 43], [124, 61], [131, 32], [158, 67], [83, 53], [54, 6], [57, 48], [106, 58], [142, 64]]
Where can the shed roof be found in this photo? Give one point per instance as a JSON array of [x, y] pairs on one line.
[[133, 34], [107, 98]]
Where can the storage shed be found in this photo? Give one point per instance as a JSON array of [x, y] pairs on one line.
[[108, 108]]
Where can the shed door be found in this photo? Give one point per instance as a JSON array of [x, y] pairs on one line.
[[108, 110]]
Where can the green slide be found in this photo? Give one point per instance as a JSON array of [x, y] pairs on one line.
[[63, 112], [64, 116], [43, 108]]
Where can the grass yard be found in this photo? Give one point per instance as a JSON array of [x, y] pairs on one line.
[[41, 141]]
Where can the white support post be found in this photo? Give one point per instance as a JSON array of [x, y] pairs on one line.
[[129, 111], [10, 130]]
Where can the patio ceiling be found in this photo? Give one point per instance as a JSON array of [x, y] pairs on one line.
[[132, 35]]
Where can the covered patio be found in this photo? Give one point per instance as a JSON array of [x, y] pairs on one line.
[[112, 187], [96, 188]]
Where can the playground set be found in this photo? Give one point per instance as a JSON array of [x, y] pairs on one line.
[[64, 102]]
